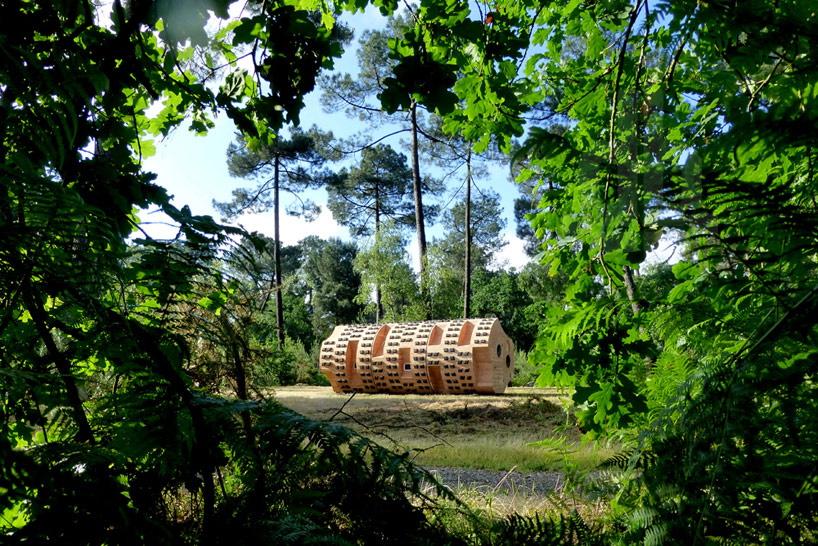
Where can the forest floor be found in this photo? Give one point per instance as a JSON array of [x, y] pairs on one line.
[[516, 445]]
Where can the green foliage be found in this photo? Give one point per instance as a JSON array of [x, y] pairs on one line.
[[379, 187], [291, 165], [499, 294], [673, 116], [726, 170], [739, 462], [689, 116], [525, 373], [333, 284], [298, 319], [445, 284], [304, 363], [602, 353], [487, 225], [358, 97], [358, 491], [655, 282], [384, 270], [546, 532], [390, 78], [275, 366], [113, 349]]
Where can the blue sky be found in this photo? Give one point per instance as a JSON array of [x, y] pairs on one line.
[[194, 170]]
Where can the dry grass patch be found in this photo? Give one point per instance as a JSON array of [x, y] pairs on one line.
[[466, 431]]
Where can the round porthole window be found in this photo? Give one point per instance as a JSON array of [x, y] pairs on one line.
[[499, 350], [508, 361]]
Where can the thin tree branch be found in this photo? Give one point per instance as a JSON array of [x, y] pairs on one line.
[[341, 409], [369, 145], [355, 105], [611, 136], [763, 84]]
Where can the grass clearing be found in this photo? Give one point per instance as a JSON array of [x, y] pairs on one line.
[[465, 431]]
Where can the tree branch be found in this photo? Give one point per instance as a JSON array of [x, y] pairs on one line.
[[611, 135], [369, 145]]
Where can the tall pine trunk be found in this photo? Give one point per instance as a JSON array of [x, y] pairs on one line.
[[378, 304], [277, 255], [467, 272], [421, 226]]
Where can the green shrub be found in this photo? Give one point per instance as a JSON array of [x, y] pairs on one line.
[[525, 373]]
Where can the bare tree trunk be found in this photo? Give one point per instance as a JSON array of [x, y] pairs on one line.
[[378, 304], [636, 202], [467, 272], [277, 256], [421, 226]]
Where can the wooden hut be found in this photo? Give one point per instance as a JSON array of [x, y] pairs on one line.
[[443, 357]]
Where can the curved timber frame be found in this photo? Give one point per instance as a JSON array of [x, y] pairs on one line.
[[443, 357]]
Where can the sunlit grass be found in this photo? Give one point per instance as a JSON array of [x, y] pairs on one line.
[[472, 431], [503, 453], [488, 453], [479, 507], [525, 430]]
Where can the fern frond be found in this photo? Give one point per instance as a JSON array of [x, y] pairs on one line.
[[629, 459], [536, 531]]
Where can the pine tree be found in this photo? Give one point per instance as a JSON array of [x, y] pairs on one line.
[[291, 165]]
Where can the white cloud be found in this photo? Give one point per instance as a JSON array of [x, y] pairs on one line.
[[414, 253], [156, 225], [513, 254], [666, 251], [293, 228]]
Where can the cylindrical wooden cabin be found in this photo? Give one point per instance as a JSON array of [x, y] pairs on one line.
[[443, 357]]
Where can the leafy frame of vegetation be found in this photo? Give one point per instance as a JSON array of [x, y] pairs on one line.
[[687, 115]]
